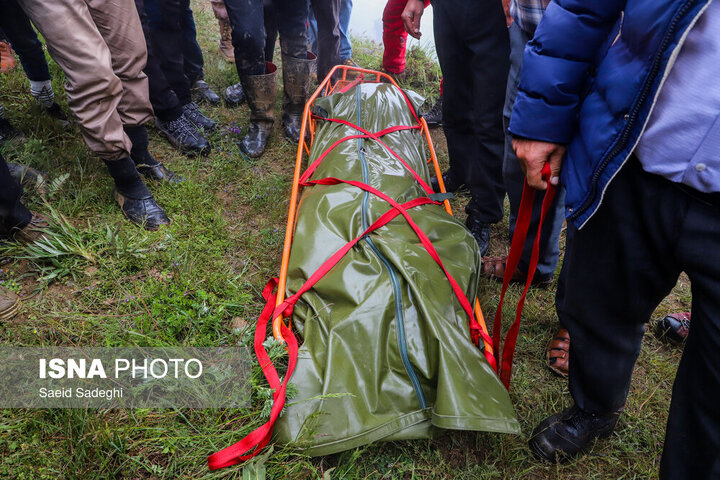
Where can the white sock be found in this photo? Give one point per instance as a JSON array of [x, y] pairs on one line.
[[43, 93]]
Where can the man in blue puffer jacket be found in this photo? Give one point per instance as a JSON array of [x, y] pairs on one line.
[[625, 96]]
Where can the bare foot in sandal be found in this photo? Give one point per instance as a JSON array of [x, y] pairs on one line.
[[558, 353]]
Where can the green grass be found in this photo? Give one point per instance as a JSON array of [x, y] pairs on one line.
[[101, 281]]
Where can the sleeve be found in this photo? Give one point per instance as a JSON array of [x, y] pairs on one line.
[[556, 65]]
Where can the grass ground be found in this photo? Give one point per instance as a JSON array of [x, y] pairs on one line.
[[198, 282]]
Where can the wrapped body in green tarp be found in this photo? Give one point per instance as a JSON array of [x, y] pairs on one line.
[[386, 351]]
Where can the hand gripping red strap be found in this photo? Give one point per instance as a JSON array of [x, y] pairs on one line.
[[522, 225]]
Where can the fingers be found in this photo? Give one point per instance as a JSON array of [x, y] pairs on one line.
[[556, 164]]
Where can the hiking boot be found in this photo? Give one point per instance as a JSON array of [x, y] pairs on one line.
[[8, 132], [296, 90], [33, 231], [433, 117], [143, 160], [9, 304], [204, 93], [674, 328], [183, 135], [225, 47], [481, 232], [192, 113], [452, 185], [142, 211], [234, 95], [28, 177], [261, 91], [569, 433], [7, 57]]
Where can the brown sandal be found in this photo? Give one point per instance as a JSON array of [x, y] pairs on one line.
[[494, 267], [558, 353]]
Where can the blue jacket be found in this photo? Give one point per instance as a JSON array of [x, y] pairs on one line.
[[590, 78]]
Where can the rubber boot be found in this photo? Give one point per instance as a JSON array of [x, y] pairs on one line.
[[261, 92], [225, 47], [297, 74]]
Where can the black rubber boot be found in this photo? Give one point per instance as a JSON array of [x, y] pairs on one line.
[[261, 91], [145, 163], [297, 73], [135, 200]]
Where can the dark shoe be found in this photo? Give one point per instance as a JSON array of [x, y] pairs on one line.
[[193, 114], [558, 353], [143, 211], [297, 73], [159, 173], [183, 135], [433, 117], [567, 434], [451, 184], [494, 268], [204, 93], [8, 132], [9, 304], [674, 328], [261, 91], [56, 112], [28, 177], [33, 231], [234, 95], [481, 232]]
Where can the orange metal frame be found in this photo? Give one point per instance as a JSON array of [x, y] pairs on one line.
[[346, 78]]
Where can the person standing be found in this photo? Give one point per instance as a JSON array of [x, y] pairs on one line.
[[101, 48], [473, 48], [621, 99]]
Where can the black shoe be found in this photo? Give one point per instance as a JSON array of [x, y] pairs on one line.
[[8, 132], [253, 143], [569, 433], [433, 117], [234, 95], [204, 93], [28, 177], [674, 328], [159, 173], [192, 113], [143, 211], [55, 112], [481, 232], [183, 135], [451, 184]]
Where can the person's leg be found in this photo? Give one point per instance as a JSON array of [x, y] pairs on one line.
[[13, 214], [345, 45], [617, 269], [271, 30], [19, 32], [192, 53], [514, 178], [327, 14], [394, 37], [312, 30], [484, 33], [692, 441], [248, 35]]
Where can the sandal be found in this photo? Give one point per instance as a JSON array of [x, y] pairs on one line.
[[494, 267], [558, 353]]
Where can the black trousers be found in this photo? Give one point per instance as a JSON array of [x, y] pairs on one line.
[[618, 268], [327, 15], [13, 213], [473, 48], [193, 62], [168, 84], [248, 31], [19, 32]]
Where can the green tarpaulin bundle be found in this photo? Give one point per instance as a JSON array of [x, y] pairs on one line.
[[386, 352]]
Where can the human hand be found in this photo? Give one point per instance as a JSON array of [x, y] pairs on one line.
[[533, 155], [411, 17], [506, 9]]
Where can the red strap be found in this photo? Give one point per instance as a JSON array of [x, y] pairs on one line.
[[260, 437], [522, 225]]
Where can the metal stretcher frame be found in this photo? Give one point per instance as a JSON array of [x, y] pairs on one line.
[[347, 77]]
